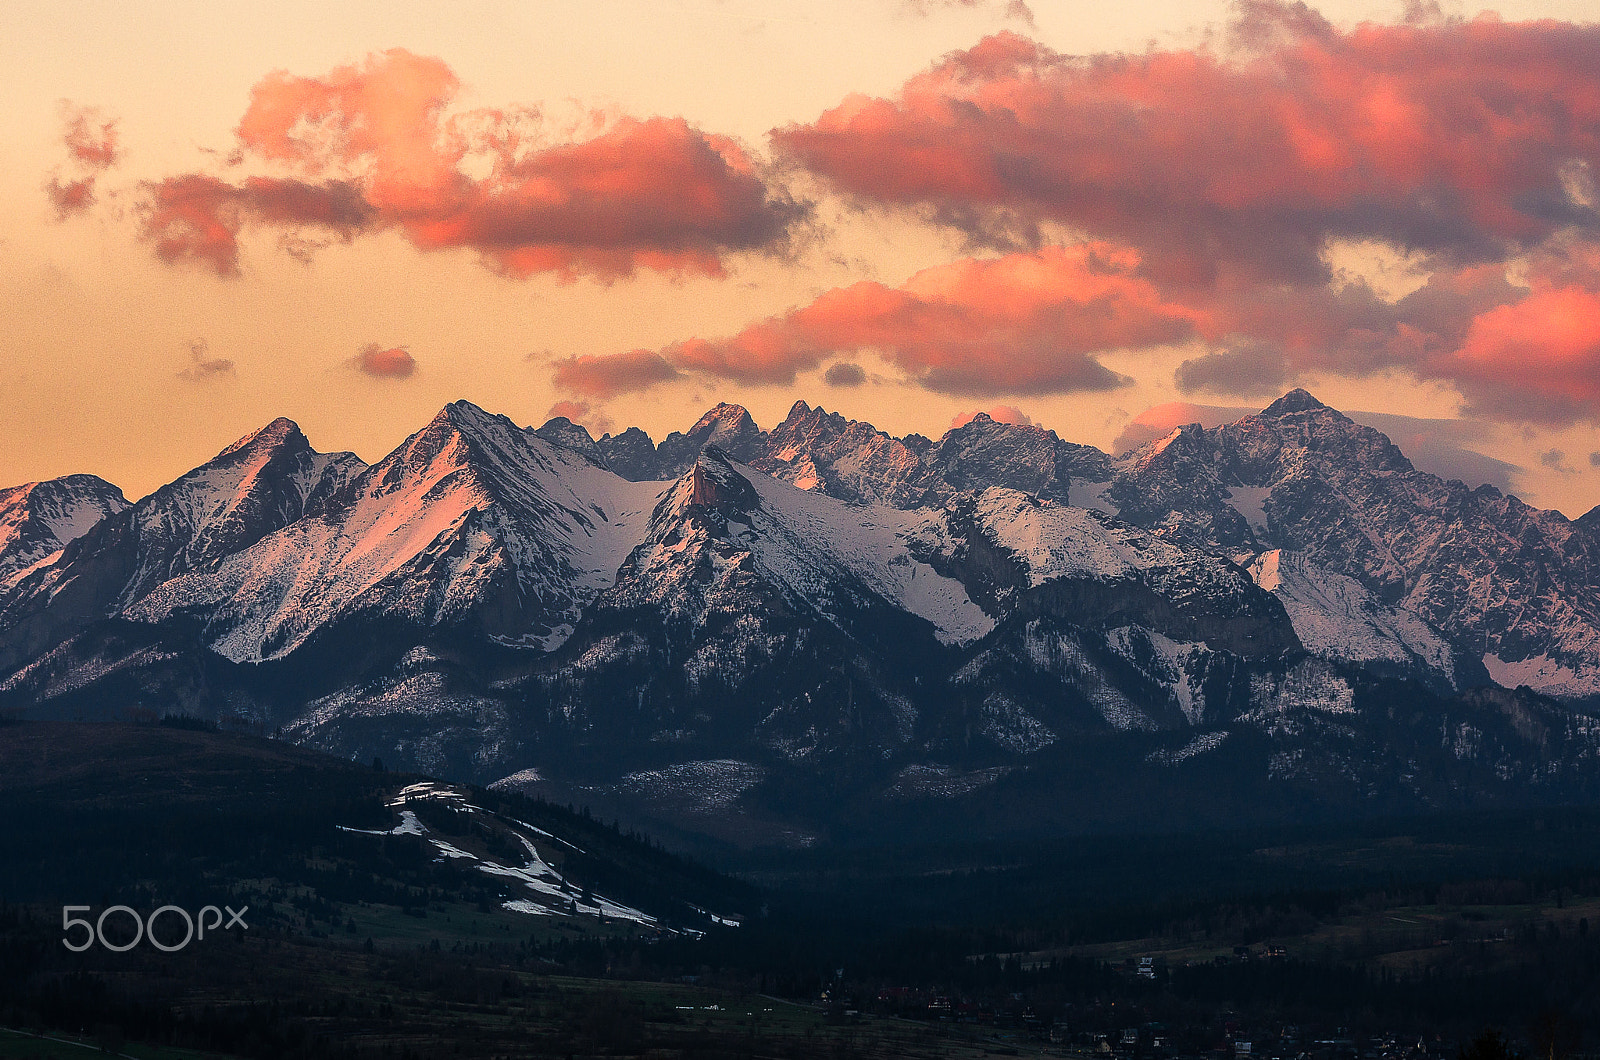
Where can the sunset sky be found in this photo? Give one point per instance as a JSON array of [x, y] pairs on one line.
[[351, 213]]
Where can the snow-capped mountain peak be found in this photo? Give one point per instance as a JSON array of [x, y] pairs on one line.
[[281, 431], [472, 521], [38, 519], [1296, 400], [724, 423], [494, 598]]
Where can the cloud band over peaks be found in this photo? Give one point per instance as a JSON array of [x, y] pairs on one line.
[[1025, 323]]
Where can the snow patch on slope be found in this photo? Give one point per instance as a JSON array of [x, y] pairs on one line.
[[805, 540], [1337, 617], [1206, 741], [1056, 541], [1544, 675], [1250, 502]]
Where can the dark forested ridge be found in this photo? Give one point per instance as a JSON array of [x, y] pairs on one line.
[[376, 945]]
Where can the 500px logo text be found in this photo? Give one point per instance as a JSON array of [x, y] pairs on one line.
[[194, 927]]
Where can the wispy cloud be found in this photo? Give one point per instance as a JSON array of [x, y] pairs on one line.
[[93, 146], [203, 367]]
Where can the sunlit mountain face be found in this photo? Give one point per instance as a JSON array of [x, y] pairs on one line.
[[1284, 597]]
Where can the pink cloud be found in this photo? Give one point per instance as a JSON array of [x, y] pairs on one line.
[[1537, 359], [1452, 138], [203, 367], [199, 218], [654, 193], [1023, 323], [570, 410], [1229, 169], [395, 362], [91, 140], [998, 413], [606, 376], [1012, 9], [581, 413], [70, 197]]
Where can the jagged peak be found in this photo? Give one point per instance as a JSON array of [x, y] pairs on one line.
[[87, 482], [983, 423], [469, 422], [458, 426], [562, 433], [1296, 400], [1185, 437], [803, 415], [713, 482], [280, 432], [464, 415], [725, 419], [563, 429], [629, 433], [77, 483]]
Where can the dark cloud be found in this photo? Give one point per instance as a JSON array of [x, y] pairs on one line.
[[1248, 370], [844, 374], [607, 376], [203, 367], [1556, 460]]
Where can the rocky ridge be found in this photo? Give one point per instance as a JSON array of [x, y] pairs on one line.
[[821, 604]]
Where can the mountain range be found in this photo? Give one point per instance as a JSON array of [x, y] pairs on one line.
[[819, 630]]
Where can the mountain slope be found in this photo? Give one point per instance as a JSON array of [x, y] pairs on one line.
[[473, 521], [263, 482], [38, 519], [1337, 617], [1518, 586], [756, 616], [812, 621]]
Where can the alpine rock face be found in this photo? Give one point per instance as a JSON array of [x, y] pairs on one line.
[[37, 520], [821, 629], [1517, 587], [264, 481]]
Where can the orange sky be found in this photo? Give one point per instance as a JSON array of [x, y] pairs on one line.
[[536, 184]]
